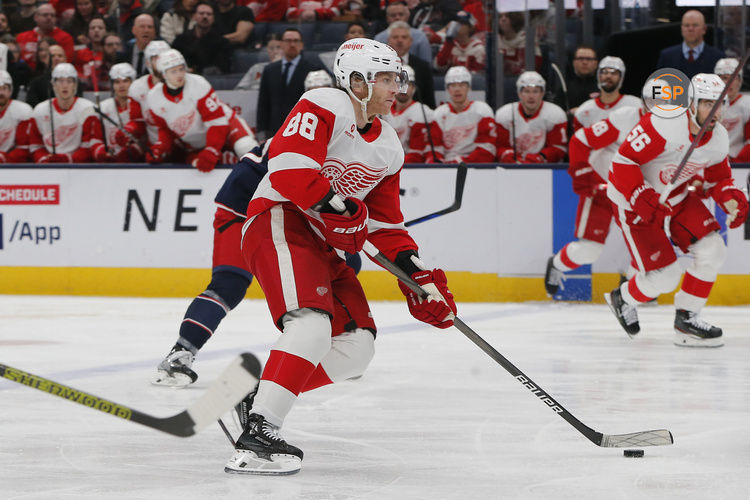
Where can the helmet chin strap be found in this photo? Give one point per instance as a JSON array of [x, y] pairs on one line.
[[362, 102], [694, 115]]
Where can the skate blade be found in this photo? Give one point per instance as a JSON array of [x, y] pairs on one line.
[[687, 340], [177, 381], [247, 462], [608, 298]]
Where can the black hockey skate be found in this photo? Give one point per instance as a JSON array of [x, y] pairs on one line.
[[553, 278], [626, 314], [691, 331], [261, 450], [175, 370]]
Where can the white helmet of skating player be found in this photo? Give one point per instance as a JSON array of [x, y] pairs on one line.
[[457, 74], [316, 79], [611, 62], [64, 70], [366, 58], [121, 71], [530, 79], [153, 49], [705, 86], [5, 79], [726, 66]]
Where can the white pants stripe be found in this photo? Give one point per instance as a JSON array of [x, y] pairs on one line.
[[284, 257]]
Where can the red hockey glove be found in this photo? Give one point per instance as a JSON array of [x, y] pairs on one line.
[[55, 158], [533, 158], [120, 138], [645, 203], [584, 179], [507, 156], [101, 154], [733, 202], [156, 154], [347, 233], [439, 309], [206, 159], [696, 185]]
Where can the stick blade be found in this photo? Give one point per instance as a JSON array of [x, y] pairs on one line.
[[659, 437]]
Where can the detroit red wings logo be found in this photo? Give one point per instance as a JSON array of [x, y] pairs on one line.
[[62, 134], [352, 178], [691, 168], [183, 123], [5, 135], [730, 123], [458, 135], [530, 141]]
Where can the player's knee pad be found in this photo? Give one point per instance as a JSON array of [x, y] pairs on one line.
[[244, 144], [709, 254], [228, 287], [584, 251], [307, 334], [664, 280]]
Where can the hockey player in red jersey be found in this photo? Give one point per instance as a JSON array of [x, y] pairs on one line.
[[641, 170], [465, 130], [413, 122], [531, 130], [609, 76], [121, 148], [185, 109], [736, 116], [140, 125], [333, 183], [65, 129], [15, 119]]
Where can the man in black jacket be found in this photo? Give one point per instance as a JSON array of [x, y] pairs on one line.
[[399, 37], [282, 84], [202, 46]]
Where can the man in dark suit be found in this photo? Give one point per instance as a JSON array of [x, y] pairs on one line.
[[282, 84], [399, 37], [693, 55], [144, 31]]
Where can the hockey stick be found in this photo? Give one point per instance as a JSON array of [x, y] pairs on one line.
[[103, 115], [660, 437], [460, 182], [704, 128], [559, 75], [95, 83], [52, 118], [225, 392], [427, 126]]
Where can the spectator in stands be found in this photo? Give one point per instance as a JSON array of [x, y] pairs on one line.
[[476, 9], [233, 21], [88, 61], [177, 20], [399, 37], [78, 25], [312, 10], [432, 16], [4, 24], [582, 84], [736, 116], [268, 11], [420, 46], [251, 79], [282, 84], [144, 31], [123, 16], [19, 71], [45, 18], [461, 47], [63, 8], [350, 10], [23, 18], [531, 130], [693, 55], [465, 130], [511, 42], [15, 117], [355, 29], [40, 87], [204, 48]]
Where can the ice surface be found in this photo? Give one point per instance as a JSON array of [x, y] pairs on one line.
[[434, 417]]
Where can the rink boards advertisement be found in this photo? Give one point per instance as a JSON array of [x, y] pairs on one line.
[[147, 231]]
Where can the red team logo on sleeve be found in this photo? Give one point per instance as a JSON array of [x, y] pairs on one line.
[[350, 179]]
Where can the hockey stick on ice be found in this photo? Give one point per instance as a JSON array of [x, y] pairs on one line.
[[460, 182], [660, 437], [225, 392]]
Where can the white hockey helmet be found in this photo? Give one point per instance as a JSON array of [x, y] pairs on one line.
[[726, 66], [169, 59], [366, 58], [410, 73], [64, 70], [316, 79], [707, 86], [121, 71], [5, 79], [611, 62], [457, 74], [530, 79], [153, 49]]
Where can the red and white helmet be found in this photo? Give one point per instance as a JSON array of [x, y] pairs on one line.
[[530, 79], [6, 79], [611, 62], [153, 49], [457, 74], [366, 58], [707, 86], [122, 71], [317, 79], [726, 66]]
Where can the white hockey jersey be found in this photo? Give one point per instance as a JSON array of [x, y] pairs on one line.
[[545, 132], [119, 115], [412, 130], [655, 147], [604, 137], [595, 110], [77, 130], [736, 119], [195, 116], [319, 148], [14, 124], [138, 91], [467, 135]]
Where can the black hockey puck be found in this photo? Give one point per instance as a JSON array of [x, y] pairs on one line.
[[633, 453]]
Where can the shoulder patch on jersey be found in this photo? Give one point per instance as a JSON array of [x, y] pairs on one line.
[[504, 113], [483, 108]]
